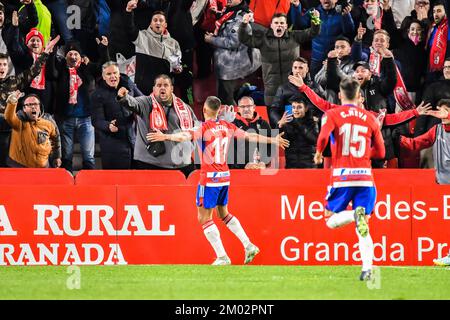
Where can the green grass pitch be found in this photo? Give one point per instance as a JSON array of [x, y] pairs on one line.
[[192, 282]]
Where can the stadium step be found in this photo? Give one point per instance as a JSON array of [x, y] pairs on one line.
[[78, 159]]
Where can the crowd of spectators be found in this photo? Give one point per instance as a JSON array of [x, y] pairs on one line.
[[108, 72]]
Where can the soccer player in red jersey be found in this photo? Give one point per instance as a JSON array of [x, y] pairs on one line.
[[355, 139], [214, 137]]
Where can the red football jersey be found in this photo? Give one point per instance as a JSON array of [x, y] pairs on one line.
[[355, 139], [214, 140]]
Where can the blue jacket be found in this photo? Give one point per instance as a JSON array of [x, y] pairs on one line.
[[333, 25]]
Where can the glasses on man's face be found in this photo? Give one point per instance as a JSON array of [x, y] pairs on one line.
[[30, 105], [248, 106]]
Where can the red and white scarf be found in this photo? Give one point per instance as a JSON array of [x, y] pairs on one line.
[[400, 92], [38, 82], [375, 62], [75, 83], [222, 20], [376, 15], [158, 118], [439, 46]]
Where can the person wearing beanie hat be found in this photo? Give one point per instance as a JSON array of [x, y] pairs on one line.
[[34, 33], [73, 107], [72, 46], [25, 56]]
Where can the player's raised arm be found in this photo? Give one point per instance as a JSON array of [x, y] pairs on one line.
[[321, 104], [278, 140], [177, 137], [328, 126]]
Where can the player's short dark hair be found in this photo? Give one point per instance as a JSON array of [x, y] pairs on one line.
[[213, 103], [300, 59], [109, 64], [297, 99], [343, 38], [349, 87], [252, 101], [444, 102], [30, 95], [438, 3], [383, 32], [279, 15], [162, 76], [4, 56], [162, 13]]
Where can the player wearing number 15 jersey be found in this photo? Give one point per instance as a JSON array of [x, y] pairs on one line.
[[214, 138], [355, 139]]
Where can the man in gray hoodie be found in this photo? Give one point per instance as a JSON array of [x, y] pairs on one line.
[[163, 111]]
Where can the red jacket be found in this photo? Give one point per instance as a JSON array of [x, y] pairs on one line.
[[263, 10], [423, 141]]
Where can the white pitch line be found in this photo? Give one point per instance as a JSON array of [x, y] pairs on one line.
[[417, 267]]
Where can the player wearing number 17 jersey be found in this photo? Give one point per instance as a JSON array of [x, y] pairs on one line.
[[355, 139], [214, 138]]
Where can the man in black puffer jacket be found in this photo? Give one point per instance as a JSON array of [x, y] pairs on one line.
[[113, 123], [279, 47], [302, 131]]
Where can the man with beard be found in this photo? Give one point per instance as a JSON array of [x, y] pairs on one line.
[[250, 155], [163, 111], [156, 51], [114, 124], [378, 77], [437, 42], [33, 139], [278, 46]]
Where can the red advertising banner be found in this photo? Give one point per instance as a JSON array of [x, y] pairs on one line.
[[120, 219]]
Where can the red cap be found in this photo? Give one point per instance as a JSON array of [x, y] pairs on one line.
[[34, 33]]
